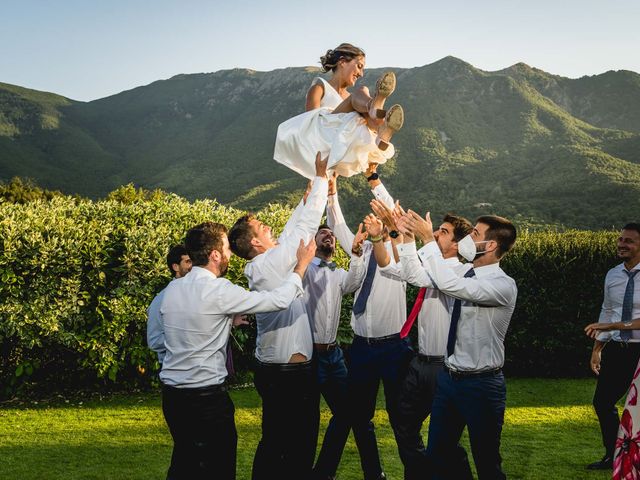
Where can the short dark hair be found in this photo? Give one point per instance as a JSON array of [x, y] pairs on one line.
[[202, 239], [501, 230], [240, 237], [632, 226], [175, 256], [323, 226], [461, 226]]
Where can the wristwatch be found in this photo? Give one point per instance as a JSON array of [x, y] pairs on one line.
[[627, 324], [373, 176], [393, 234]]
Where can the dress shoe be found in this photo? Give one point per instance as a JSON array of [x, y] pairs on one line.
[[605, 464]]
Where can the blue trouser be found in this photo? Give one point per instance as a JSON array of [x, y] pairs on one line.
[[332, 378], [371, 361], [477, 402]]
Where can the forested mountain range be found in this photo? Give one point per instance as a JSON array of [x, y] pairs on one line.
[[536, 147]]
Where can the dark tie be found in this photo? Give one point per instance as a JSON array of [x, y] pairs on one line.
[[330, 265], [455, 316], [406, 328], [627, 305], [365, 291]]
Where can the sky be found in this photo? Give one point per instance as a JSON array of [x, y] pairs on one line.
[[89, 49]]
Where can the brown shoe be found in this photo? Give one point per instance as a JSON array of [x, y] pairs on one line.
[[392, 123], [385, 86]]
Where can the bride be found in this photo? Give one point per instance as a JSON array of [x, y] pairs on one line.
[[352, 129]]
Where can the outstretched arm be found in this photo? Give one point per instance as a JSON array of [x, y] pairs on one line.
[[336, 221]]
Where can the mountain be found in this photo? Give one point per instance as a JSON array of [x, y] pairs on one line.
[[536, 147]]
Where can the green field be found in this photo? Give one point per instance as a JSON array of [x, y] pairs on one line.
[[550, 432]]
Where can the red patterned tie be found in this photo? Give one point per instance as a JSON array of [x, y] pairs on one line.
[[414, 313]]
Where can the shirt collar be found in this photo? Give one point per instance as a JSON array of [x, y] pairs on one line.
[[487, 269], [197, 272]]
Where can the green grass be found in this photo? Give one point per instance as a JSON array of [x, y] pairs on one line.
[[550, 432]]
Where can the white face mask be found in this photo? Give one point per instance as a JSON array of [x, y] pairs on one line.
[[468, 248]]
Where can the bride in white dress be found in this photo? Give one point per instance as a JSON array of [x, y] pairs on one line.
[[352, 129]]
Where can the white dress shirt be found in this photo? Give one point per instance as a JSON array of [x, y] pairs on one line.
[[155, 330], [488, 301], [197, 312], [615, 284], [434, 317], [386, 308], [323, 291], [282, 334]]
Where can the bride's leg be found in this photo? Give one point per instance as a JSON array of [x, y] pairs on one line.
[[361, 101], [392, 123]]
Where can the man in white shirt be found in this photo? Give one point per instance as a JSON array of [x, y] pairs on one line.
[[324, 285], [377, 352], [179, 265], [284, 375], [197, 313], [616, 364], [433, 312], [471, 390]]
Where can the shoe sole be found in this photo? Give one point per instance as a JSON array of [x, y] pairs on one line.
[[395, 118], [386, 85]]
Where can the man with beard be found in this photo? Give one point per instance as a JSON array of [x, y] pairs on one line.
[[197, 313], [615, 364], [324, 286]]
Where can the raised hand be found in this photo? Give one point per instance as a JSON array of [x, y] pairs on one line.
[[384, 213], [321, 165], [371, 169], [333, 183], [373, 225], [420, 227], [358, 240]]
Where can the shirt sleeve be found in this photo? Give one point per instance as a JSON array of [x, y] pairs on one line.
[[606, 311], [234, 299], [293, 219], [282, 258], [337, 224], [155, 330], [411, 270], [352, 279], [489, 292], [381, 193]]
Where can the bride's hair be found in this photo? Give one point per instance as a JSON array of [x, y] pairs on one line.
[[329, 60]]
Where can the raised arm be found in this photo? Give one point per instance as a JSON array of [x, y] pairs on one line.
[[351, 280], [336, 222]]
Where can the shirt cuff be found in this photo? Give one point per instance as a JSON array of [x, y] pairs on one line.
[[429, 250], [357, 260], [296, 280], [406, 249]]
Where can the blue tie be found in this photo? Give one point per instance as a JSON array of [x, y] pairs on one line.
[[455, 316], [365, 291], [627, 305]]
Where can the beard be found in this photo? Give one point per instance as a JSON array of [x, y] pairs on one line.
[[325, 250], [224, 266]]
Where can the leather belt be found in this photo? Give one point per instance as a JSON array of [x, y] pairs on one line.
[[431, 358], [283, 367], [460, 374], [324, 347], [377, 340]]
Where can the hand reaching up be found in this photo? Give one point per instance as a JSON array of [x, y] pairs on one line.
[[373, 225], [321, 165], [358, 240]]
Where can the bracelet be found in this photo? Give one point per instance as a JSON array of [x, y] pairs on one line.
[[357, 251], [373, 176], [376, 239]]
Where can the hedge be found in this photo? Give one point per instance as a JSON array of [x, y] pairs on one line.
[[76, 277]]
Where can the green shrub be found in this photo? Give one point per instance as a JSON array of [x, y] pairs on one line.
[[76, 277]]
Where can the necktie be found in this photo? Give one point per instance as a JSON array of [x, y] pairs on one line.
[[365, 291], [229, 363], [627, 304], [330, 265], [414, 313], [455, 316]]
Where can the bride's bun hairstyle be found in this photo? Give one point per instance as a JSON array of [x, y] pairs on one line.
[[329, 60]]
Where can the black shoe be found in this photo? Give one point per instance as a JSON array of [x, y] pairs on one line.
[[605, 464]]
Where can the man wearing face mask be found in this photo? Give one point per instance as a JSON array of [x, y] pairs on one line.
[[471, 390]]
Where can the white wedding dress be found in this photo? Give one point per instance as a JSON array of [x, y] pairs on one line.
[[344, 137]]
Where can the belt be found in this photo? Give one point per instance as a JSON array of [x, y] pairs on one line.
[[222, 387], [431, 358], [460, 374], [377, 340], [283, 367], [324, 347]]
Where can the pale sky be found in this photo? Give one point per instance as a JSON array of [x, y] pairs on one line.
[[89, 49]]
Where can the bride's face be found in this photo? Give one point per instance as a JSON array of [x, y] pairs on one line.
[[351, 70]]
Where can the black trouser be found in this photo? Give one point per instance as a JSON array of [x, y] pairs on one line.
[[414, 406], [201, 422], [290, 418], [618, 363], [373, 360]]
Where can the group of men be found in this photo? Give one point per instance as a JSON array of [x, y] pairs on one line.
[[463, 312]]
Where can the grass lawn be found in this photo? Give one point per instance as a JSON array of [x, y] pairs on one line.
[[550, 432]]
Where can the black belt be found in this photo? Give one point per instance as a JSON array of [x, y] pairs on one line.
[[324, 347], [459, 374], [377, 340], [283, 367], [222, 387], [431, 358]]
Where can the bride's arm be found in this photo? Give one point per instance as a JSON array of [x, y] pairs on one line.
[[314, 96]]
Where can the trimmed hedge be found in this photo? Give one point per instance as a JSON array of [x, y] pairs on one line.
[[76, 277]]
